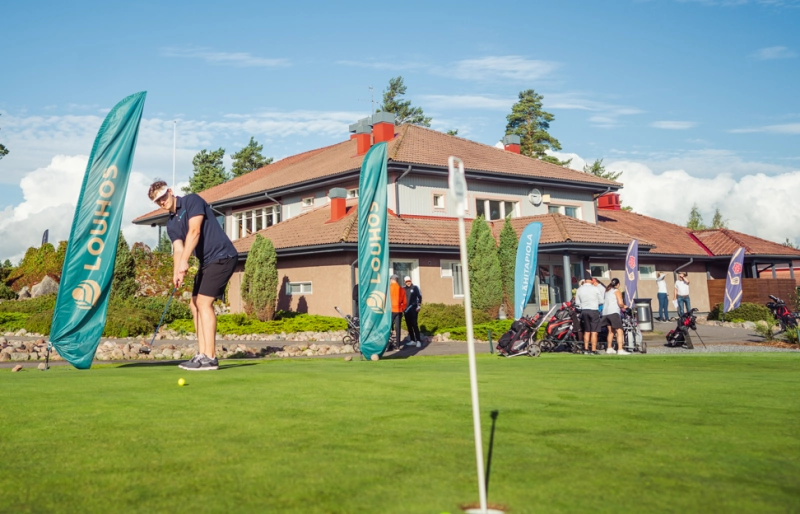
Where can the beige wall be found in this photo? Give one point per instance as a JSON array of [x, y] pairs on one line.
[[698, 287]]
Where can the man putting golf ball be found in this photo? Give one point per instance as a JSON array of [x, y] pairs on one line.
[[193, 229]]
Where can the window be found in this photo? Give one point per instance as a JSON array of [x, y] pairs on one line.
[[599, 270], [647, 272], [308, 202], [298, 288], [352, 193], [438, 201], [495, 209], [403, 268], [572, 211], [250, 222], [458, 279]]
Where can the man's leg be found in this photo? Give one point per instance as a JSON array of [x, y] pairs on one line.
[[594, 341], [207, 325]]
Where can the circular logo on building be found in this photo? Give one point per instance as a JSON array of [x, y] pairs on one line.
[[376, 302], [737, 268], [86, 294]]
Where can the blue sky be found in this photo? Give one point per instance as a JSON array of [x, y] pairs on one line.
[[677, 94]]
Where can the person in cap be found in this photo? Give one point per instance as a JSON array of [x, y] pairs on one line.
[[413, 305], [193, 229], [398, 297]]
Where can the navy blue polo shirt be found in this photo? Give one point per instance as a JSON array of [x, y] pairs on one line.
[[214, 244]]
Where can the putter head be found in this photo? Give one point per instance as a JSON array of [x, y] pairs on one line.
[[145, 349]]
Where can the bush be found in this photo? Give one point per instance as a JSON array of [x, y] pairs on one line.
[[260, 280], [435, 316], [31, 306], [242, 324], [155, 306], [6, 293], [498, 328], [764, 329], [38, 262], [123, 284], [12, 321], [485, 284], [792, 335], [746, 311]]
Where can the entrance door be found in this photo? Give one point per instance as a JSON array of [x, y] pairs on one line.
[[405, 268]]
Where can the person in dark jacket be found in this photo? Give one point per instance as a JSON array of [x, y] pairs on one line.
[[413, 305]]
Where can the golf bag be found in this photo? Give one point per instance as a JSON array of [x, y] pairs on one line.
[[785, 317], [353, 336], [634, 342], [564, 330], [679, 336], [521, 338]]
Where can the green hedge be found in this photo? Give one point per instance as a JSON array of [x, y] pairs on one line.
[[31, 306], [155, 306], [746, 311], [242, 324], [12, 321], [498, 328], [433, 317], [6, 293]]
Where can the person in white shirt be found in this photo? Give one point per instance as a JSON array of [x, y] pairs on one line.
[[663, 297], [602, 288], [682, 294], [612, 306], [589, 298]]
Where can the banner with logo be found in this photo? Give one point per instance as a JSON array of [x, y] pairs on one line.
[[631, 272], [525, 270], [733, 283], [374, 303], [80, 312]]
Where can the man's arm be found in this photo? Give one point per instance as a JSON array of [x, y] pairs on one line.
[[192, 238], [177, 250]]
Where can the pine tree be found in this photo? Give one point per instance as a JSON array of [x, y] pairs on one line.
[[598, 170], [507, 255], [453, 132], [260, 281], [717, 221], [249, 158], [208, 171], [695, 219], [530, 123], [486, 287], [402, 109], [123, 285], [164, 244], [3, 151]]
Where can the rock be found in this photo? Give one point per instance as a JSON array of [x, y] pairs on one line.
[[176, 354], [21, 332], [3, 340], [749, 325], [761, 322], [46, 286], [348, 348], [8, 350], [42, 366], [24, 293], [348, 358], [374, 357], [16, 368], [34, 356], [4, 357], [20, 356]]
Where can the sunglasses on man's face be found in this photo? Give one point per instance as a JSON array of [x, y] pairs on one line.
[[161, 199]]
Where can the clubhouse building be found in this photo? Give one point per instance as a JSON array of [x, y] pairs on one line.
[[306, 205]]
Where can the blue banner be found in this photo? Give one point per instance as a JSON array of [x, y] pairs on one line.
[[733, 283], [80, 313], [631, 272], [374, 303], [525, 270]]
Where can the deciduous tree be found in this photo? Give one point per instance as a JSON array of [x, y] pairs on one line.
[[695, 219], [717, 221], [530, 122], [507, 255], [453, 132], [402, 109], [260, 280], [486, 287], [208, 171], [249, 158]]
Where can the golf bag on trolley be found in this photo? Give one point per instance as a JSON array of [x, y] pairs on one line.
[[563, 331], [521, 338], [679, 336], [785, 317], [353, 336], [634, 341]]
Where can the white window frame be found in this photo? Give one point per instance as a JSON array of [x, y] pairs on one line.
[[270, 211], [645, 275], [352, 193], [603, 265], [414, 269], [305, 288], [307, 202], [562, 209], [446, 271], [502, 200], [441, 195]]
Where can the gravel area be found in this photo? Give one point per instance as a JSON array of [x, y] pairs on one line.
[[716, 348]]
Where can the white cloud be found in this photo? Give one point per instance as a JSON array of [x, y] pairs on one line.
[[786, 128], [505, 67], [673, 125], [606, 115], [774, 52], [466, 102], [238, 59], [385, 65]]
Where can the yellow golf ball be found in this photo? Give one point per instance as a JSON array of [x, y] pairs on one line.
[[181, 381]]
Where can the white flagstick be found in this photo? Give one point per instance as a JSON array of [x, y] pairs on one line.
[[458, 189]]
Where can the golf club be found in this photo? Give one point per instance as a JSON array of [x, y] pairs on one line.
[[150, 346]]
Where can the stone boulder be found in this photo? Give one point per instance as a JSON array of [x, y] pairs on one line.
[[46, 286], [24, 293]]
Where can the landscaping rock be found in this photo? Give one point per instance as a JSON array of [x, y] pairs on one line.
[[16, 368], [19, 356], [749, 325], [5, 357], [348, 358], [42, 366], [24, 293], [46, 286]]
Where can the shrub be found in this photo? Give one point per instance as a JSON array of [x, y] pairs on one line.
[[435, 316], [38, 262], [792, 335], [481, 331], [486, 287], [260, 280], [242, 324], [32, 306], [124, 285], [155, 305], [12, 321], [764, 329], [6, 293], [507, 256], [746, 311]]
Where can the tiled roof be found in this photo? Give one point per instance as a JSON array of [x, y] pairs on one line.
[[725, 242], [312, 228], [412, 144], [668, 238]]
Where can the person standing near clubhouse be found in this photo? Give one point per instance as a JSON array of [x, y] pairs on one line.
[[682, 294], [414, 303], [612, 306], [663, 296], [193, 229], [398, 297], [589, 298]]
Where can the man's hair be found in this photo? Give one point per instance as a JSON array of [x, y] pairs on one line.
[[154, 187]]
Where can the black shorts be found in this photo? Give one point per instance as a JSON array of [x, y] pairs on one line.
[[212, 278], [590, 320], [614, 320]]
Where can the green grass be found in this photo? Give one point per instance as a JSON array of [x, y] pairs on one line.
[[574, 434]]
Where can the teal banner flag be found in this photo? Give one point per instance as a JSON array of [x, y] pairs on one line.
[[80, 313], [525, 270], [374, 303]]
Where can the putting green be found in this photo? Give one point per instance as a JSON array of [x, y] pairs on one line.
[[574, 433]]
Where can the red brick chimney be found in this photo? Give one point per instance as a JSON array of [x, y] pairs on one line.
[[362, 133], [609, 202], [338, 197], [383, 126], [511, 143]]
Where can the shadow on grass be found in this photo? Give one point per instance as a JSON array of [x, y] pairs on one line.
[[175, 363], [405, 352], [494, 415]]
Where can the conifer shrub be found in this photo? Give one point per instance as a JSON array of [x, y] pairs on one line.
[[260, 280], [507, 256], [486, 287], [123, 285]]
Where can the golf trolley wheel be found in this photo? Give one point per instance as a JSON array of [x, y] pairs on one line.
[[534, 350], [643, 346], [347, 340]]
